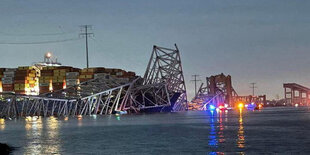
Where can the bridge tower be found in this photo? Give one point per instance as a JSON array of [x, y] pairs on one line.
[[165, 67]]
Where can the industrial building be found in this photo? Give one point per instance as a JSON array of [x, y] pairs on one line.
[[296, 94]]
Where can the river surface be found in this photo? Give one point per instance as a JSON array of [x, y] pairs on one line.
[[280, 130]]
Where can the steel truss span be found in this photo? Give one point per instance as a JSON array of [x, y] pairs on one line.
[[105, 102], [217, 91], [162, 88], [165, 68]]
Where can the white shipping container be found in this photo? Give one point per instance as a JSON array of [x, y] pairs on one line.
[[8, 76], [44, 84], [71, 80], [119, 73], [8, 73], [72, 75], [122, 80], [10, 69], [100, 75], [7, 79], [7, 82]]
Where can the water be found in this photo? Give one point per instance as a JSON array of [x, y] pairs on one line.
[[271, 130]]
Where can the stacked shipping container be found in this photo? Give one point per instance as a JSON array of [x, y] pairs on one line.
[[46, 79], [72, 78], [26, 80], [1, 76], [8, 79], [59, 78], [87, 74], [119, 75], [55, 78]]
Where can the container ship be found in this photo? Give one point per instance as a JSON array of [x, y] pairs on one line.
[[49, 76]]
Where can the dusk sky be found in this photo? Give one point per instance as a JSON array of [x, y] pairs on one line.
[[260, 41]]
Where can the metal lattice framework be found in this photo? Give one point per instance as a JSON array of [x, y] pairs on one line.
[[218, 90], [147, 97], [61, 104], [165, 67], [162, 86]]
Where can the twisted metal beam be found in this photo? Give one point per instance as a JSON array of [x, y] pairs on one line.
[[165, 67], [163, 86], [105, 102]]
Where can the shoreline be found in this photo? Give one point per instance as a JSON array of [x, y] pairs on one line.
[[5, 149]]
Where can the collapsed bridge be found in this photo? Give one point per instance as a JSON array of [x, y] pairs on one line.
[[161, 89], [218, 90]]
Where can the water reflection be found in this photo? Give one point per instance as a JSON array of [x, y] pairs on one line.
[[33, 128], [43, 138], [80, 120], [2, 124], [53, 135], [212, 135], [241, 140], [118, 117], [216, 134], [217, 137], [221, 128]]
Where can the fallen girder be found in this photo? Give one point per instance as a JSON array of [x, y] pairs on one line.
[[165, 68], [162, 88], [217, 91], [105, 102]]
